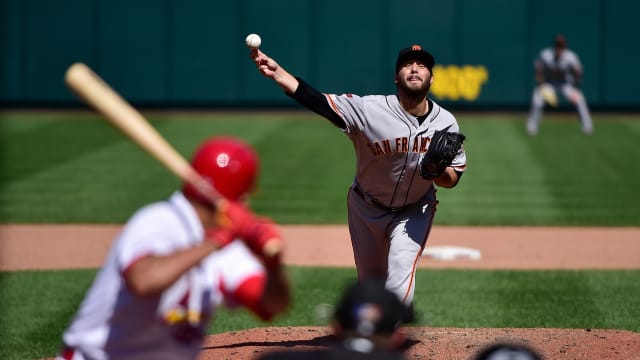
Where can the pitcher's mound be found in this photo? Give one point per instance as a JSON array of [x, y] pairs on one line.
[[436, 343]]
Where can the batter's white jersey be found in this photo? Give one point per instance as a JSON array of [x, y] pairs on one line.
[[389, 144], [112, 323]]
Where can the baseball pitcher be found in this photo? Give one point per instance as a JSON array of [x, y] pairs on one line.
[[392, 200]]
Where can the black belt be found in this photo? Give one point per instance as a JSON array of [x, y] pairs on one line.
[[373, 202]]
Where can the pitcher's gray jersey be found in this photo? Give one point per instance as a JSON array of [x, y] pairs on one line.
[[389, 144]]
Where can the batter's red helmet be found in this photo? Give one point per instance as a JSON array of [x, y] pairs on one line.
[[229, 164]]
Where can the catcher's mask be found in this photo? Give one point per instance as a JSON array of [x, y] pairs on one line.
[[229, 164]]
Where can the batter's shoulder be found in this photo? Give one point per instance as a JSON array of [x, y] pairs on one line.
[[159, 214]]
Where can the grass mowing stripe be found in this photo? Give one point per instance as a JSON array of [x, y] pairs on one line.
[[562, 299], [26, 151], [597, 184], [35, 308], [502, 178], [463, 298], [94, 184], [614, 287], [567, 292], [308, 167]]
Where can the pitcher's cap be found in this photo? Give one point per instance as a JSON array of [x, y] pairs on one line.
[[415, 52]]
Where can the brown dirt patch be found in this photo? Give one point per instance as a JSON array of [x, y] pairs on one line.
[[436, 343], [25, 247]]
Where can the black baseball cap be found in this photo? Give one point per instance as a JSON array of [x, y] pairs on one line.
[[368, 308], [415, 52]]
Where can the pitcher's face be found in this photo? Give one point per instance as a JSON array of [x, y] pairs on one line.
[[414, 76]]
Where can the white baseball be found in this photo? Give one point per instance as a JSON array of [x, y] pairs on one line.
[[253, 41]]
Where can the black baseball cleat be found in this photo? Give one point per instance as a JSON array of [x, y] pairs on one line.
[[410, 315]]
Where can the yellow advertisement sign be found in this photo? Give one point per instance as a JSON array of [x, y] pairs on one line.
[[452, 82]]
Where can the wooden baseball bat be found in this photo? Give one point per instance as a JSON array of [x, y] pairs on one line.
[[98, 94]]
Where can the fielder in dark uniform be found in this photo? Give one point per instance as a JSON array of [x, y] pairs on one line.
[[366, 323], [391, 203]]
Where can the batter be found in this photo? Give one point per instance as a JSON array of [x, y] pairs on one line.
[[176, 243], [390, 206]]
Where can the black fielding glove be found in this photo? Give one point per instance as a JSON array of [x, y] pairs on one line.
[[442, 150]]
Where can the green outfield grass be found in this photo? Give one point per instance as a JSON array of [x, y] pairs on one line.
[[34, 316], [70, 168]]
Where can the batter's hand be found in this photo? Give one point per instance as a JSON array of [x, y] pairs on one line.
[[230, 218], [264, 238], [220, 236], [233, 219]]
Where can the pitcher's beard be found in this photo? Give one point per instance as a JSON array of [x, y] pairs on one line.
[[415, 95]]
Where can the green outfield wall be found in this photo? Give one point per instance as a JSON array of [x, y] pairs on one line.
[[192, 53]]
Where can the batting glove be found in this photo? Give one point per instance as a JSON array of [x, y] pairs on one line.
[[233, 220], [264, 238]]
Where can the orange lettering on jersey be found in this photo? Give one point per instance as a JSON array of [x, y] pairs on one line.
[[416, 143], [378, 150], [373, 150], [424, 141], [387, 146], [401, 144]]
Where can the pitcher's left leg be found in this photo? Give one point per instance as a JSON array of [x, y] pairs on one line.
[[407, 239]]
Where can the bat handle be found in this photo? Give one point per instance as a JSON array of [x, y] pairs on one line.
[[203, 187]]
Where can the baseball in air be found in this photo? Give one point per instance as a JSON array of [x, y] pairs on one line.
[[253, 41]]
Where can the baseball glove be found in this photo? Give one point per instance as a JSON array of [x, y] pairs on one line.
[[442, 150], [548, 94]]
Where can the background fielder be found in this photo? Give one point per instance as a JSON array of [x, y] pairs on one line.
[[558, 70], [390, 206]]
